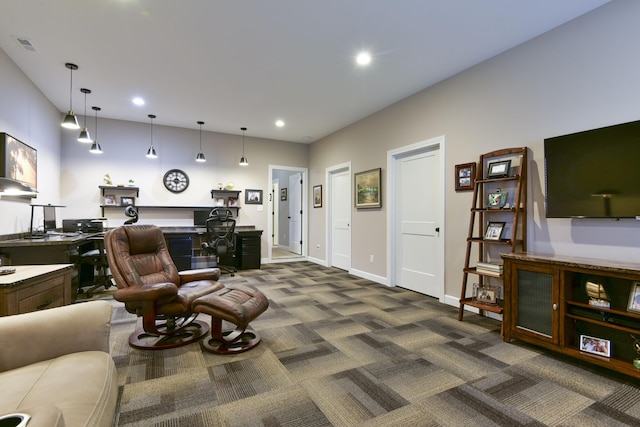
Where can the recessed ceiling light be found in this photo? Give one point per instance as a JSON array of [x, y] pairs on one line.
[[138, 101], [279, 123], [363, 58]]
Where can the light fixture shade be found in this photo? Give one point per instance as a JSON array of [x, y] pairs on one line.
[[243, 160], [84, 136], [70, 121], [151, 153], [200, 157], [95, 148]]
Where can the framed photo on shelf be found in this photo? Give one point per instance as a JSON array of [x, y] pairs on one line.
[[233, 202], [368, 193], [219, 202], [110, 200], [499, 169], [283, 195], [465, 176], [127, 201], [634, 298], [497, 200], [494, 230], [594, 345], [253, 197], [317, 196], [486, 294]]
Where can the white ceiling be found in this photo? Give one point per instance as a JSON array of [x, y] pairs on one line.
[[234, 63]]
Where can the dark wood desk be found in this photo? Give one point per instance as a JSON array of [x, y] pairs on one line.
[[55, 249]]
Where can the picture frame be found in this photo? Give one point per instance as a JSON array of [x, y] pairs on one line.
[[233, 202], [486, 294], [367, 189], [494, 230], [127, 201], [219, 202], [594, 345], [317, 196], [18, 161], [110, 200], [634, 298], [253, 197], [497, 200], [499, 169], [465, 176], [283, 195]]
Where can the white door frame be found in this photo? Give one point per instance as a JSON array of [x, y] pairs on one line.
[[392, 158], [275, 213], [305, 214], [327, 197]]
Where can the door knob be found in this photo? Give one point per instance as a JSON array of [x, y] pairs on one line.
[[437, 229]]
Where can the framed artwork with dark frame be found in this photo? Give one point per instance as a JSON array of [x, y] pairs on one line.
[[494, 230], [253, 197], [499, 169], [465, 176], [283, 195], [367, 188], [18, 161], [317, 196], [127, 201]]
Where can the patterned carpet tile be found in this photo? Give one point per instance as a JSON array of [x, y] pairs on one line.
[[342, 351]]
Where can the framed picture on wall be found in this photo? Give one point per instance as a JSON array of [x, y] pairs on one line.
[[317, 196], [368, 193], [283, 195], [465, 176], [18, 161], [253, 197]]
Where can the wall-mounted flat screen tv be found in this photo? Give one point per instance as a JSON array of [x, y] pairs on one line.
[[593, 174]]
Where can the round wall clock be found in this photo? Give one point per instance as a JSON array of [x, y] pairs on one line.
[[176, 181]]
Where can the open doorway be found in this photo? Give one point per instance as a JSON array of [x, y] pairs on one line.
[[287, 203]]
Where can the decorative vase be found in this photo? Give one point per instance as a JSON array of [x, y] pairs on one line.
[[229, 186]]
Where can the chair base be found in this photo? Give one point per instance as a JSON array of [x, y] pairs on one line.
[[231, 342], [143, 340]]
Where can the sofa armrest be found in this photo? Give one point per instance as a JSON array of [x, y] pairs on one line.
[[42, 335]]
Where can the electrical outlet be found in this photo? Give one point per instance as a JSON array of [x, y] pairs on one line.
[[318, 247], [370, 258]]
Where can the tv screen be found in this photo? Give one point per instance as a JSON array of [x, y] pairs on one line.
[[49, 218], [591, 174]]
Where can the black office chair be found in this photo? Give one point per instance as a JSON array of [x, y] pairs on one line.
[[132, 213], [220, 242], [95, 259]]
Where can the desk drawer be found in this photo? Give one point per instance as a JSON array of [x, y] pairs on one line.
[[46, 294]]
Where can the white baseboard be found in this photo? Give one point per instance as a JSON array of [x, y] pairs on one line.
[[318, 261], [369, 276]]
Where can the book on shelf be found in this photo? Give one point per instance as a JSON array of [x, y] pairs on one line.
[[489, 268]]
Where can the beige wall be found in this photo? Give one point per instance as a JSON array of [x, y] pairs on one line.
[[580, 76]]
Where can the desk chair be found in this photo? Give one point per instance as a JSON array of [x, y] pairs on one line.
[[96, 258], [220, 242]]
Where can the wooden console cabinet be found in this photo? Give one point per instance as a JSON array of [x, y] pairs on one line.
[[548, 305], [35, 287]]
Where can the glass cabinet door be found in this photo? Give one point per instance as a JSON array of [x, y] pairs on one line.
[[536, 305]]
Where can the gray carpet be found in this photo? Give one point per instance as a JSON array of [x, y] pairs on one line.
[[338, 350]]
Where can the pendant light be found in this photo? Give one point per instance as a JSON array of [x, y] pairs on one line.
[[95, 147], [243, 160], [151, 152], [200, 157], [84, 134], [70, 120]]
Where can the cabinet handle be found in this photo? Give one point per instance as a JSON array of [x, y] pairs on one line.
[[43, 305], [555, 307]]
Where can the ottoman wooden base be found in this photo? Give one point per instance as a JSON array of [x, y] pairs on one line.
[[238, 305]]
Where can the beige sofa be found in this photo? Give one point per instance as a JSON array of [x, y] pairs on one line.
[[55, 366]]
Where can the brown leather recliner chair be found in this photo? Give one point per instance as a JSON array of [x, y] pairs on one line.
[[150, 286]]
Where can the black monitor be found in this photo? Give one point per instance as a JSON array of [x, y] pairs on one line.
[[49, 219], [200, 218]]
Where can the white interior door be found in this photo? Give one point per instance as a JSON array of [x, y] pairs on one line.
[[295, 213], [275, 213], [340, 205], [418, 207]]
